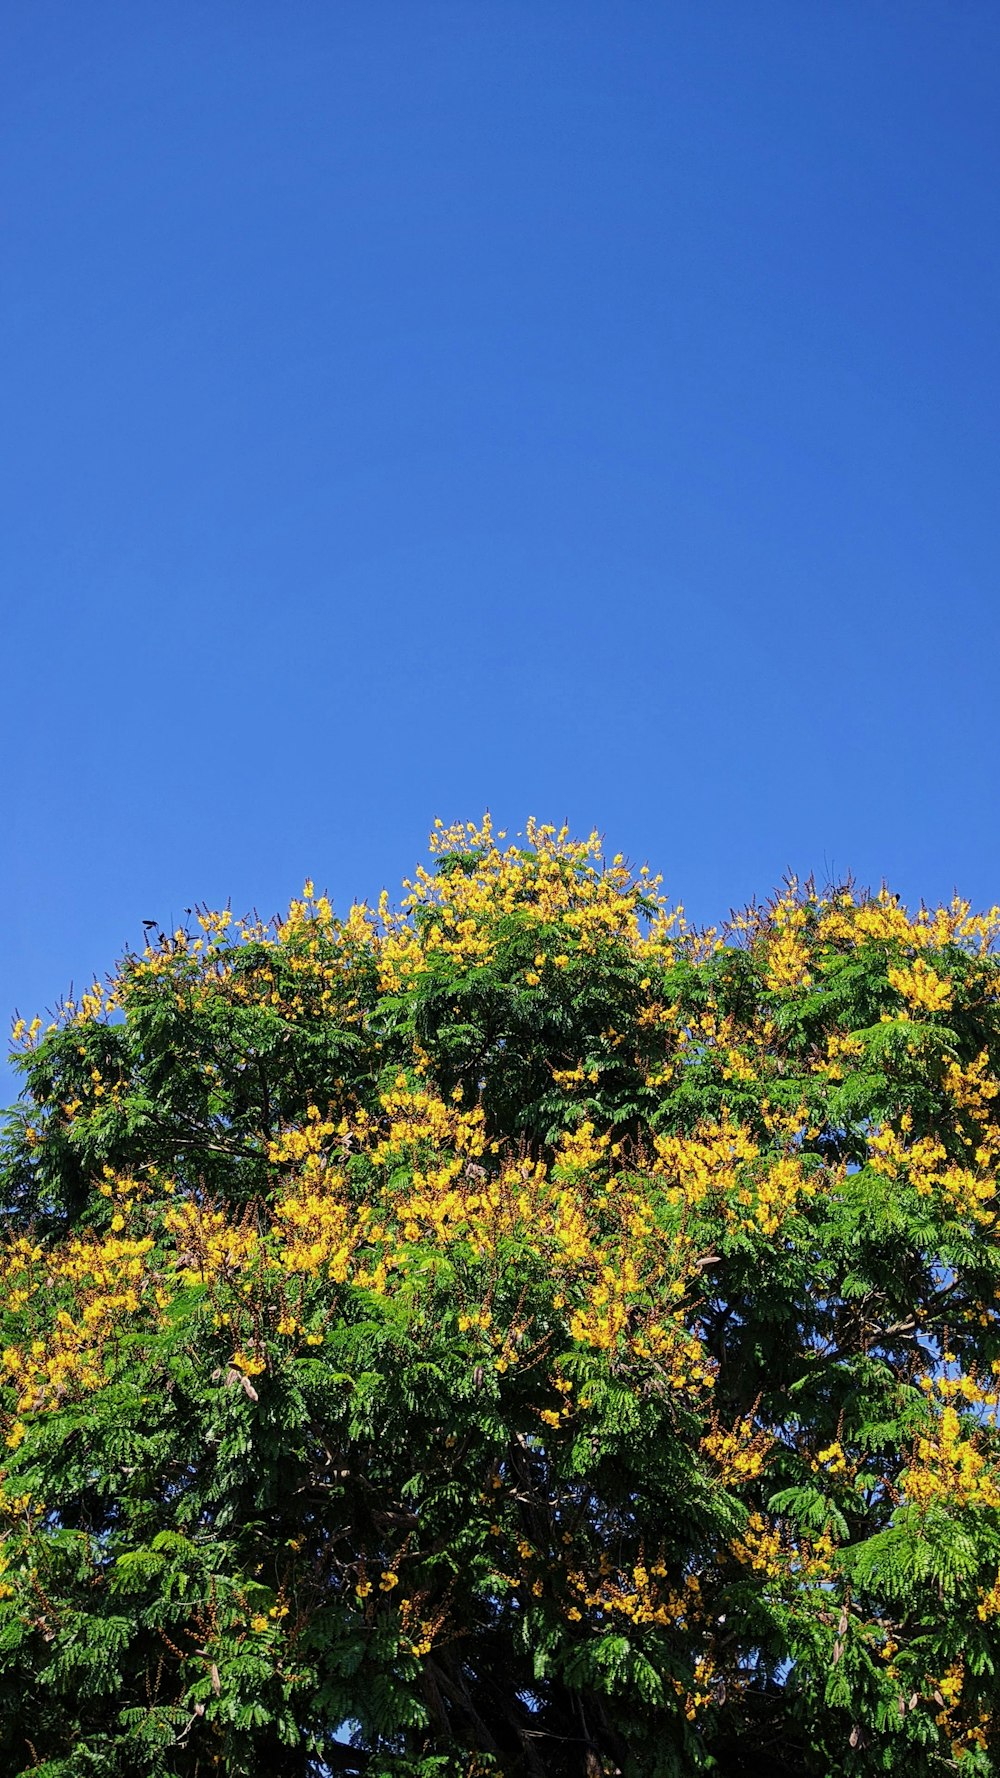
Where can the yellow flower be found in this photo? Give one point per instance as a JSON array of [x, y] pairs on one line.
[[920, 986], [251, 1367]]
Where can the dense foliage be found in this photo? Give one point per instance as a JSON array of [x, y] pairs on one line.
[[517, 1335]]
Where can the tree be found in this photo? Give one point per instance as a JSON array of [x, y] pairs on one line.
[[518, 1334]]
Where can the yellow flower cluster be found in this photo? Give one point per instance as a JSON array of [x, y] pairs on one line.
[[642, 1594], [965, 1191], [552, 879], [741, 1453], [921, 987], [721, 1167], [787, 955], [832, 1458], [762, 1547], [989, 1602], [973, 1087], [112, 1283], [883, 919], [947, 1467]]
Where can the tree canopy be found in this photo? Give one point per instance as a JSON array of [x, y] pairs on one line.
[[516, 1334]]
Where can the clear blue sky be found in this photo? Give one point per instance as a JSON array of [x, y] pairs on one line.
[[587, 410]]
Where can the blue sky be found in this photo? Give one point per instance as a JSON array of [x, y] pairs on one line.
[[587, 411]]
